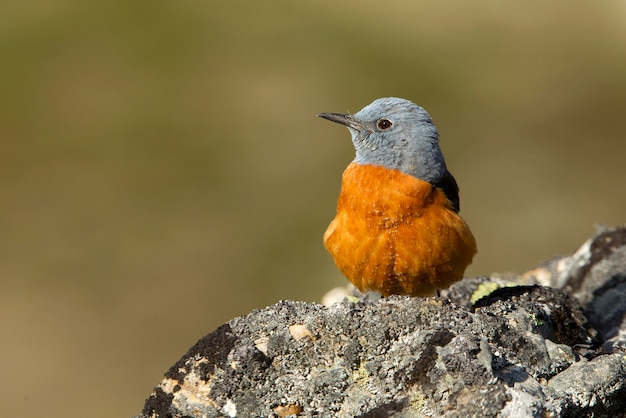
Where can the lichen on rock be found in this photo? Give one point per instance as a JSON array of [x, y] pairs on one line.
[[521, 350]]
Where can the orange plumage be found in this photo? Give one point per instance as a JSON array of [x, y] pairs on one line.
[[397, 234]]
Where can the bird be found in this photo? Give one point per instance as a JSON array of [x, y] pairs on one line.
[[397, 230]]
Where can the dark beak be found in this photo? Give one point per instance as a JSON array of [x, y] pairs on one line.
[[344, 119]]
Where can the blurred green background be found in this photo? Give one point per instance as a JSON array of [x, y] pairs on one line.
[[162, 169]]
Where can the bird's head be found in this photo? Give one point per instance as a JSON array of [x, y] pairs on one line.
[[397, 134]]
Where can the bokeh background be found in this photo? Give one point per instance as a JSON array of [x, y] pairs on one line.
[[162, 169]]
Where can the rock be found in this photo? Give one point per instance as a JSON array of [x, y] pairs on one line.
[[486, 348], [591, 386], [596, 276]]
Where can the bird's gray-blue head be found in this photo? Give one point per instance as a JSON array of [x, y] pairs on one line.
[[397, 134]]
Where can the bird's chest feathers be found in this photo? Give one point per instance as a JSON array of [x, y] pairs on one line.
[[384, 198]]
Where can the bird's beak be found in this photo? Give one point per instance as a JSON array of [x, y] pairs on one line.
[[344, 119]]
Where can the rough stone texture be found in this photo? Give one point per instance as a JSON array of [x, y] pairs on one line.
[[596, 276], [486, 348]]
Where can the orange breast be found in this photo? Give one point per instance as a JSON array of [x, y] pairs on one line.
[[396, 234]]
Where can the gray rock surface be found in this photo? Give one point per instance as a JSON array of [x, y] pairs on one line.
[[486, 348], [596, 276]]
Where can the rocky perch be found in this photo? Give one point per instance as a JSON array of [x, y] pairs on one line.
[[549, 343]]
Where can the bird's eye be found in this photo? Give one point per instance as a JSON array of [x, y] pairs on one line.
[[384, 124]]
